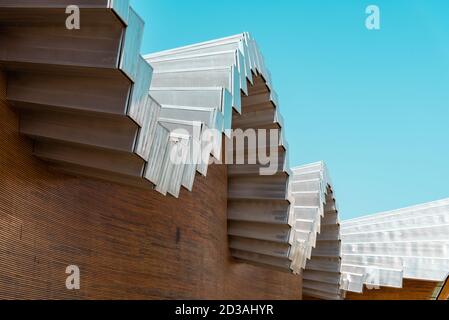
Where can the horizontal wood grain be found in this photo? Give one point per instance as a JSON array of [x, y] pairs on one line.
[[129, 243], [444, 292]]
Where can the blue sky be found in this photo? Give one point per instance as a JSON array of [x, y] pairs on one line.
[[373, 104]]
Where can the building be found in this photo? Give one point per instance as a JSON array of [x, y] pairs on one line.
[[105, 165], [404, 253]]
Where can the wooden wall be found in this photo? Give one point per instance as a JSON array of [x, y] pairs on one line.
[[444, 291], [412, 290], [129, 243]]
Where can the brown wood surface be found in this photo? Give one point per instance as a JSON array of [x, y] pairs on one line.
[[129, 243], [444, 292], [412, 290]]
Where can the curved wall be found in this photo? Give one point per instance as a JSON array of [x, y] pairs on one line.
[[130, 243]]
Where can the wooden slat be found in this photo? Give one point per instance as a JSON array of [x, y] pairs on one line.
[[129, 243], [444, 292]]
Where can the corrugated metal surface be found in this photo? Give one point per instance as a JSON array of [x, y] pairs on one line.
[[102, 118], [202, 83], [87, 112], [205, 82], [317, 232], [129, 243], [104, 113], [385, 248]]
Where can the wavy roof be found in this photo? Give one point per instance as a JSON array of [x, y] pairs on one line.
[[385, 248]]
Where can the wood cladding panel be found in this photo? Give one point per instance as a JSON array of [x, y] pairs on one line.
[[129, 243], [444, 292], [411, 290]]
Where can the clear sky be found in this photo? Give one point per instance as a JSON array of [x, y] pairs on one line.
[[373, 104]]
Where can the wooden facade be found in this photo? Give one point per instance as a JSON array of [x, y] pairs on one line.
[[77, 106], [443, 293], [130, 243]]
